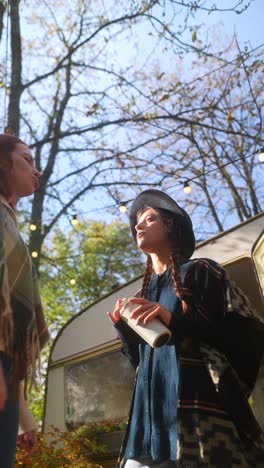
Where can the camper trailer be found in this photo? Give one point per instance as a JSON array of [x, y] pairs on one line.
[[89, 380]]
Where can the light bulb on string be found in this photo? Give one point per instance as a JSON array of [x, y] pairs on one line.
[[122, 208], [186, 187], [73, 281], [34, 254], [33, 227], [261, 155], [74, 220]]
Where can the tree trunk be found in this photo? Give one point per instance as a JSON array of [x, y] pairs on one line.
[[2, 12], [16, 87], [212, 207], [36, 237]]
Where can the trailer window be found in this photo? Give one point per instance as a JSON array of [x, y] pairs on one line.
[[98, 389]]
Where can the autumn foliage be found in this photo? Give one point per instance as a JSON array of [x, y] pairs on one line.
[[73, 448]]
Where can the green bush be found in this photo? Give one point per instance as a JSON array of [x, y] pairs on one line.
[[57, 449]]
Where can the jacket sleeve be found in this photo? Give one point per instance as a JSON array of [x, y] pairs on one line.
[[206, 282], [130, 342]]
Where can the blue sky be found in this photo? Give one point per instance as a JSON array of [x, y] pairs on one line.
[[248, 26], [249, 30]]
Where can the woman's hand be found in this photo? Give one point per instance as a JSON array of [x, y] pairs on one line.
[[3, 389], [147, 311], [28, 441], [115, 315]]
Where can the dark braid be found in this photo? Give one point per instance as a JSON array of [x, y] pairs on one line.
[[181, 292], [147, 276]]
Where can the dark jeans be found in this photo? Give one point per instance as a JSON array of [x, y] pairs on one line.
[[8, 419]]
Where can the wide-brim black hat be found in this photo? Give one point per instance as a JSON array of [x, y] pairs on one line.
[[156, 199]]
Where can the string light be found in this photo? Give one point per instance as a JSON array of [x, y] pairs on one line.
[[34, 254], [8, 15], [186, 187], [261, 155], [33, 227], [74, 220], [62, 271], [123, 208]]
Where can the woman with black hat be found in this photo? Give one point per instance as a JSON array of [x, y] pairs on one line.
[[181, 414]]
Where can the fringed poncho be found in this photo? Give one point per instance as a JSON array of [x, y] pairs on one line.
[[23, 331]]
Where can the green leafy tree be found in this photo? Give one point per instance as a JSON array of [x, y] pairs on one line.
[[99, 257]]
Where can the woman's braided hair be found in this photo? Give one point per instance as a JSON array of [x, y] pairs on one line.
[[147, 276], [174, 237]]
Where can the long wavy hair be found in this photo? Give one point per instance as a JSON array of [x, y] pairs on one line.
[[7, 146], [176, 257]]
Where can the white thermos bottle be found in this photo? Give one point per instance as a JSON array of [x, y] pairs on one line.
[[155, 333]]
